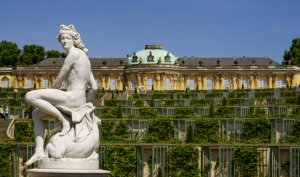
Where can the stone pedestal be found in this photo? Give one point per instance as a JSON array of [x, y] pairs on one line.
[[66, 173]]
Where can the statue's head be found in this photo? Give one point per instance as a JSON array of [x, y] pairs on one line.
[[69, 32]]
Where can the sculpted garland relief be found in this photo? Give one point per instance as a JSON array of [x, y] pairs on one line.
[[76, 135]]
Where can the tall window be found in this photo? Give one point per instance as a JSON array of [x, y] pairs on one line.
[[112, 84], [280, 83], [29, 83], [168, 84], [191, 84], [5, 83], [45, 83], [245, 83], [262, 83], [226, 83], [150, 82], [209, 84], [133, 83]]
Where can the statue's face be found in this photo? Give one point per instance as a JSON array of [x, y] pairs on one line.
[[66, 41]]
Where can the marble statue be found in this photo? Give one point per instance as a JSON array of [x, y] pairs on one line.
[[77, 134]]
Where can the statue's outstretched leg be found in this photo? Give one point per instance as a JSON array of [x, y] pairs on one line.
[[39, 129], [45, 100]]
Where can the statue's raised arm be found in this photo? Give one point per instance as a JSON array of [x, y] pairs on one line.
[[70, 107]]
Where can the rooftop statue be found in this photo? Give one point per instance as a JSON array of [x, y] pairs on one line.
[[77, 134]]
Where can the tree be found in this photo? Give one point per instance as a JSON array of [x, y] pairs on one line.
[[292, 56], [224, 101], [53, 54], [211, 113], [119, 112], [32, 54], [9, 53], [190, 135], [152, 103]]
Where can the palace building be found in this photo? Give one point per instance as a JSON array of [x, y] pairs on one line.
[[158, 69]]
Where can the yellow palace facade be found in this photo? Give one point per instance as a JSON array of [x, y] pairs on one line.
[[154, 68]]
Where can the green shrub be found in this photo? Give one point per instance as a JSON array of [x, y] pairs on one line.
[[246, 161], [6, 161], [162, 129], [257, 112], [111, 103], [211, 113], [119, 113], [114, 131], [24, 131], [257, 131], [109, 112], [190, 135], [158, 96], [139, 103], [183, 112], [120, 161], [183, 161], [295, 137], [148, 113], [291, 100], [169, 102], [151, 104], [207, 131], [224, 112], [14, 102], [197, 102]]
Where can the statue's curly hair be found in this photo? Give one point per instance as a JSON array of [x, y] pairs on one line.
[[70, 29]]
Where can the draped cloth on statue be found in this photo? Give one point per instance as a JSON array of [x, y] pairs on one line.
[[82, 121]]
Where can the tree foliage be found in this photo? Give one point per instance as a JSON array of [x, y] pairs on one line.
[[9, 53], [292, 56], [53, 54], [32, 54]]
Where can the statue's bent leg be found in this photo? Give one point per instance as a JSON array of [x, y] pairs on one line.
[[39, 131], [45, 100]]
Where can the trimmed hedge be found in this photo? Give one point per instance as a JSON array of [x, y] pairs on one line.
[[183, 161]]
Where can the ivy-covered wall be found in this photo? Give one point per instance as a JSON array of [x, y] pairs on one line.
[[6, 161], [24, 131], [183, 161], [121, 161]]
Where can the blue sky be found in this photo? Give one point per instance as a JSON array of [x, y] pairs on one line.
[[199, 28]]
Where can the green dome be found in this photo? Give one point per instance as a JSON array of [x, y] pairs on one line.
[[152, 54]]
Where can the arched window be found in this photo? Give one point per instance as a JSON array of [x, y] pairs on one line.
[[112, 84], [45, 83], [168, 84], [5, 82], [209, 84], [133, 83], [262, 83], [29, 83], [280, 83], [150, 81], [191, 84], [245, 83], [226, 83]]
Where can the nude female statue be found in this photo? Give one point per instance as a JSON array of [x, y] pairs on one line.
[[81, 87]]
